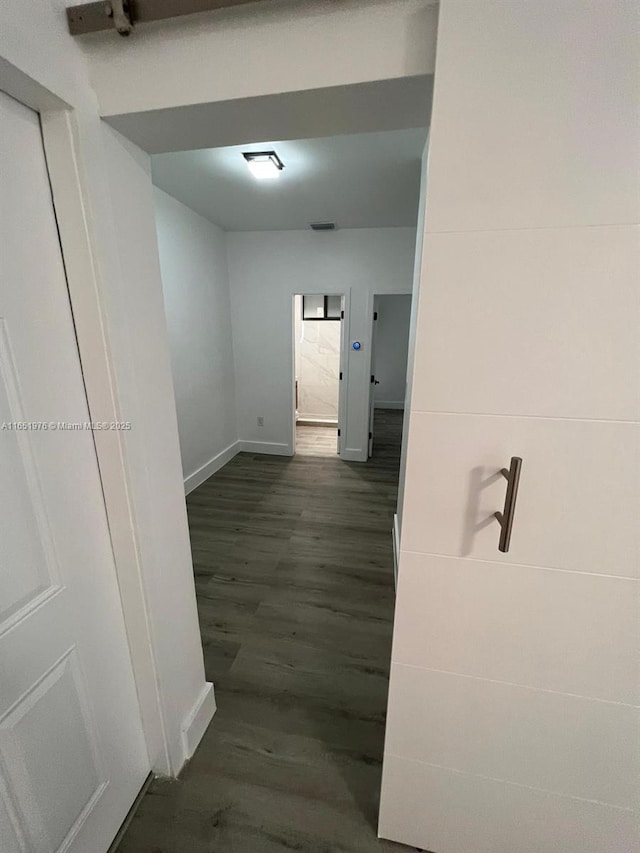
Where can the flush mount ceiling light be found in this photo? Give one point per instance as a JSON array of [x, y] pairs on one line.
[[263, 164]]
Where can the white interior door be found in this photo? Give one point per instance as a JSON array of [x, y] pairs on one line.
[[72, 753], [372, 381], [342, 376], [513, 721]]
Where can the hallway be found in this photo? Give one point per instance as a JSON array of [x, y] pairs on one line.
[[294, 577]]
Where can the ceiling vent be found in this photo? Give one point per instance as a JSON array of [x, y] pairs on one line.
[[322, 226]]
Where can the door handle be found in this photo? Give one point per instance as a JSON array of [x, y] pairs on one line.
[[505, 518]]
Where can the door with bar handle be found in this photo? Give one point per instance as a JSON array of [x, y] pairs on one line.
[[514, 695]]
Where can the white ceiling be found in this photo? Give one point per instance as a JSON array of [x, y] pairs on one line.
[[364, 180]]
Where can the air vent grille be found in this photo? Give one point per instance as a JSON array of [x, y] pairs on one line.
[[322, 226]]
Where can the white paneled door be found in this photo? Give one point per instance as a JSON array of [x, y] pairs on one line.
[[514, 704], [72, 752]]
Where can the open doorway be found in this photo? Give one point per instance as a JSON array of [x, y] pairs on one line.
[[291, 524], [389, 357], [317, 356]]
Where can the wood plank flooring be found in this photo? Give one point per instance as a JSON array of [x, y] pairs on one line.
[[294, 577], [316, 440]]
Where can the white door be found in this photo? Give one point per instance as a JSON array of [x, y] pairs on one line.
[[342, 382], [72, 753], [514, 718], [372, 379]]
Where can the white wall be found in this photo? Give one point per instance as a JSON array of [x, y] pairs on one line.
[[102, 193], [142, 360], [413, 324], [266, 269], [391, 350], [193, 262], [515, 690], [202, 58]]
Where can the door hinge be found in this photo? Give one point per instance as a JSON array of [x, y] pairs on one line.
[[373, 378], [340, 374], [342, 315], [338, 433], [370, 436], [375, 315]]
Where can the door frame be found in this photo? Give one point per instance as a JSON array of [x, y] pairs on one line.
[[63, 152], [371, 307], [372, 379], [345, 295]]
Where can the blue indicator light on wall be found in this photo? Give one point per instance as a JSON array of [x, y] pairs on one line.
[[356, 344]]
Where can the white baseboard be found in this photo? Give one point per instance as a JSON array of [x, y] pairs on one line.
[[205, 471], [310, 421], [198, 719], [274, 448], [354, 454], [396, 547], [388, 404]]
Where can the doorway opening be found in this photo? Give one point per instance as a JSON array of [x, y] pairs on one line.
[[291, 523], [318, 344], [390, 324]]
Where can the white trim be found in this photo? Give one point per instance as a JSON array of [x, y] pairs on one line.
[[343, 385], [274, 448], [198, 720], [396, 547], [305, 420], [388, 404], [192, 481], [354, 454]]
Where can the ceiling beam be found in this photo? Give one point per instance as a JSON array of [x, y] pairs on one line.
[[94, 17]]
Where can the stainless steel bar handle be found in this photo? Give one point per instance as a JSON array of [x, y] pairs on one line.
[[505, 517]]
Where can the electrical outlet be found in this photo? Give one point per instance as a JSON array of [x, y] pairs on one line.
[[260, 421]]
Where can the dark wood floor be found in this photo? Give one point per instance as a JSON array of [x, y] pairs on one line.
[[294, 577]]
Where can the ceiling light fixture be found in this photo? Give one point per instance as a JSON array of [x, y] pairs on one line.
[[263, 164]]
